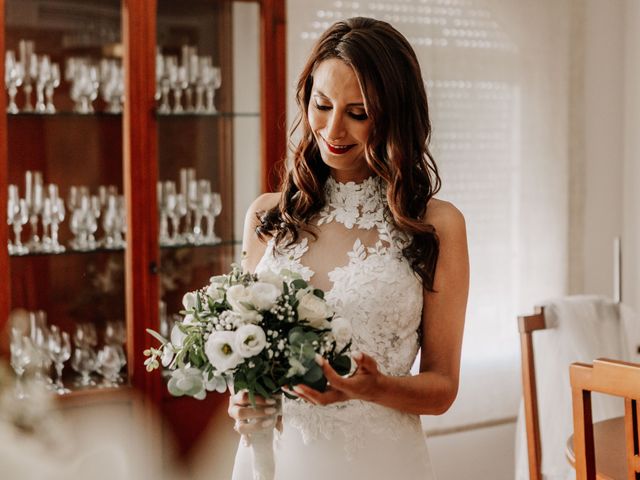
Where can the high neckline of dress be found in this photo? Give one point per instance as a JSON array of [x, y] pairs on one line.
[[353, 193]]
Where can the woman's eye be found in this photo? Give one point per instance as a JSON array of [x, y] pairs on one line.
[[322, 107], [359, 116]]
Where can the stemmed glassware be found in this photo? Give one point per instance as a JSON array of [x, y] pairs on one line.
[[192, 74], [215, 207], [60, 352], [84, 360], [21, 356], [112, 84], [85, 82], [29, 62], [52, 215], [52, 83], [17, 217], [111, 357], [35, 203], [13, 77]]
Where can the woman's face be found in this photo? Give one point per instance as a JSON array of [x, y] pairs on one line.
[[339, 121]]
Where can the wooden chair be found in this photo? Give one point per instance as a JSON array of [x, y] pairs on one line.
[[527, 324], [611, 377]]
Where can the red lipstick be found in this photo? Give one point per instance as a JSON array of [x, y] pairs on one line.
[[338, 149]]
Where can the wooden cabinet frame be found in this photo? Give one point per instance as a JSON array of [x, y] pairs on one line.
[[140, 166]]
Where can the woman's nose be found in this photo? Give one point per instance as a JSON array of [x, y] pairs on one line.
[[335, 126]]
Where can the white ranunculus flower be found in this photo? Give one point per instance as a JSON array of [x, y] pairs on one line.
[[189, 300], [341, 330], [215, 292], [220, 349], [269, 276], [250, 340], [237, 295], [313, 309], [189, 319], [263, 295], [177, 337]]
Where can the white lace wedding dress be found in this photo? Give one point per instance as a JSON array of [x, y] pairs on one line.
[[357, 260]]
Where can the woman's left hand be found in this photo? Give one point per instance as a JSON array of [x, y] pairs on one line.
[[364, 384]]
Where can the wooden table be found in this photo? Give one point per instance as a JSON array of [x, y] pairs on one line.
[[611, 462]]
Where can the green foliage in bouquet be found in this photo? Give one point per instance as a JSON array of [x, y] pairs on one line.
[[255, 332]]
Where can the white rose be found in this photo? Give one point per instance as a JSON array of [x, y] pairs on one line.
[[269, 276], [237, 295], [313, 309], [263, 295], [341, 330], [221, 351], [250, 340], [214, 291], [189, 300]]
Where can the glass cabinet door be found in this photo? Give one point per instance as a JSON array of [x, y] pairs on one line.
[[64, 84], [209, 158]]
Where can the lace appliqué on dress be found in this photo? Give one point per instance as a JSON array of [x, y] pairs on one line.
[[382, 296]]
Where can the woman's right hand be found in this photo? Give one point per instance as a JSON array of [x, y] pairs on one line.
[[250, 419]]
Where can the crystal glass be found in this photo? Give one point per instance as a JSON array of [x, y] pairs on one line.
[[60, 351], [211, 214], [42, 79], [21, 357], [109, 363], [34, 197], [13, 77], [29, 62], [17, 217], [50, 86], [84, 362]]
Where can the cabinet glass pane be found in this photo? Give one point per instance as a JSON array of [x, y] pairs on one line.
[[208, 112], [63, 63]]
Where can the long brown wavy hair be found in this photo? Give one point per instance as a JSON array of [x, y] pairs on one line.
[[397, 149]]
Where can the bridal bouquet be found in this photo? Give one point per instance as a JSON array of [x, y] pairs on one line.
[[254, 332]]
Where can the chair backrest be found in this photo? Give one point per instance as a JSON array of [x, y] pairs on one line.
[[527, 324], [611, 377]]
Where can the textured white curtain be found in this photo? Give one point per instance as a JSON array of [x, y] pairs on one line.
[[497, 77]]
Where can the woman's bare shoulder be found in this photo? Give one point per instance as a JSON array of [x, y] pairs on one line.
[[444, 216], [266, 201]]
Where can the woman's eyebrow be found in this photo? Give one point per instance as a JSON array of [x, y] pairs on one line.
[[353, 104]]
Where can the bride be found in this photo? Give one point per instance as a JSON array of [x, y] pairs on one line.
[[357, 217]]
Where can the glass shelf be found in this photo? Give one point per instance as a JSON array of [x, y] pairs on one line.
[[224, 243], [119, 115]]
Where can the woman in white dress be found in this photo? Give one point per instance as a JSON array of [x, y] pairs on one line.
[[357, 217]]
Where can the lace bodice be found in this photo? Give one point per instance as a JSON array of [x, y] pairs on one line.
[[357, 260]]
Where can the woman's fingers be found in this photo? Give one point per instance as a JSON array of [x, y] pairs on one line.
[[239, 412], [254, 425], [242, 398]]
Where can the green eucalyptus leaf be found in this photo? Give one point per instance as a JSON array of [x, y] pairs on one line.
[[299, 284], [318, 293], [157, 336], [261, 390], [341, 364], [313, 374]]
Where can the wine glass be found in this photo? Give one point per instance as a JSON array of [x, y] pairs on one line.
[[60, 351], [13, 77], [50, 86]]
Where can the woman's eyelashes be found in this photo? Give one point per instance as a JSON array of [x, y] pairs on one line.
[[356, 116]]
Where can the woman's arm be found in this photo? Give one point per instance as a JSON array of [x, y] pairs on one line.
[[434, 389], [250, 419], [252, 247]]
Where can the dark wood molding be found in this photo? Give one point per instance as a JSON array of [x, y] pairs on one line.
[[5, 272], [273, 107]]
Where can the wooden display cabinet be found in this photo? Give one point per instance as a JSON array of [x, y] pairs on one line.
[[234, 148]]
